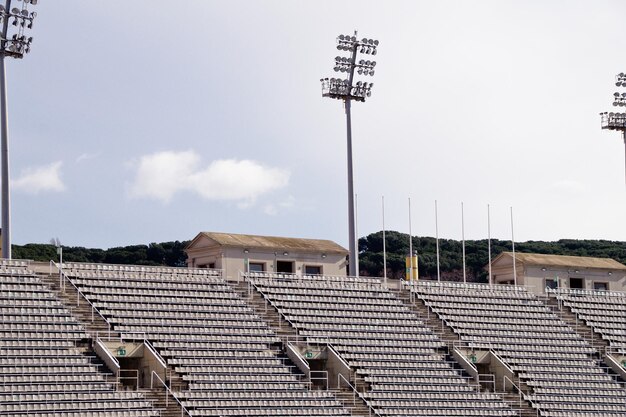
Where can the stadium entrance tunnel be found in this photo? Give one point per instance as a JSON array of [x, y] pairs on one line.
[[322, 365], [134, 364], [484, 366]]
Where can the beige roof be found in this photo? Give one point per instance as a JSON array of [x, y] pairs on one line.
[[274, 242], [567, 261]]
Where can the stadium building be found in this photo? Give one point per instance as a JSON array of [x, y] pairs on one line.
[[235, 253], [538, 272]]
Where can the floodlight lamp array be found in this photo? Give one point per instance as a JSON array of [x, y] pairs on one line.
[[344, 64], [619, 99], [620, 80], [342, 90], [17, 44], [364, 46], [613, 121]]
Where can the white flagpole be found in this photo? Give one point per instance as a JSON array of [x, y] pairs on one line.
[[463, 241], [410, 245], [513, 245], [437, 242], [384, 244], [356, 233], [489, 240]]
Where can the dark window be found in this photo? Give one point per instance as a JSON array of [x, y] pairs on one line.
[[256, 267], [601, 286], [313, 270], [212, 265], [552, 283], [285, 267], [577, 283]]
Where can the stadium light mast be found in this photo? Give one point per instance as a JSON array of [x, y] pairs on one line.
[[617, 121], [347, 91], [14, 44]]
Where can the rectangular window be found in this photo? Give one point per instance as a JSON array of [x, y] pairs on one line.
[[285, 267], [256, 267], [552, 283], [600, 286], [212, 265], [312, 270]]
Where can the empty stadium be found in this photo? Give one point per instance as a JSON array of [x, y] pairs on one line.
[[138, 121], [120, 340]]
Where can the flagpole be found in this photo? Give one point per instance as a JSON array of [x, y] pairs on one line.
[[463, 241], [410, 245], [384, 244], [513, 245], [437, 242], [489, 240]]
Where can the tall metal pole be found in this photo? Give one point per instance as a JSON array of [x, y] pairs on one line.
[[356, 232], [346, 91], [410, 245], [489, 239], [437, 241], [4, 132], [513, 245], [351, 221], [384, 244], [463, 241]]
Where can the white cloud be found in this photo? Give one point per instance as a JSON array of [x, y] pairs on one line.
[[161, 175], [86, 157], [273, 209], [40, 179]]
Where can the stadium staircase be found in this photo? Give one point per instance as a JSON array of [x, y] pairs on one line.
[[168, 407], [447, 334], [287, 333], [267, 312], [95, 325], [429, 318], [579, 326]]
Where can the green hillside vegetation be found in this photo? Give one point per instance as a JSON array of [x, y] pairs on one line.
[[166, 253], [476, 254], [370, 259]]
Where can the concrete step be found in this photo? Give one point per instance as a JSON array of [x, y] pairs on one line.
[[79, 307], [167, 406]]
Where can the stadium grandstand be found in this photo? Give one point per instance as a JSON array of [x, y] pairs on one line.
[[121, 340]]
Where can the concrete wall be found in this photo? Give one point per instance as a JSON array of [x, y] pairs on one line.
[[233, 260], [535, 277]]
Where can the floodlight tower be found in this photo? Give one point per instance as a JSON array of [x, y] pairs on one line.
[[347, 91], [13, 43], [617, 121]]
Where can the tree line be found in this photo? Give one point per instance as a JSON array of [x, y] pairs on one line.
[[476, 254], [164, 254], [370, 254]]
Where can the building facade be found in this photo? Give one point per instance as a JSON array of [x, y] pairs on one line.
[[235, 253], [538, 272]]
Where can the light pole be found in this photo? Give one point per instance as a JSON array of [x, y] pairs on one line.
[[14, 45], [617, 121], [347, 91]]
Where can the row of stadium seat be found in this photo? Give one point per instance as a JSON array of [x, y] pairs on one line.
[[233, 352], [604, 311], [387, 345], [536, 355], [42, 372]]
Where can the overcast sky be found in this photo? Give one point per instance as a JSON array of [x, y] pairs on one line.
[[145, 121]]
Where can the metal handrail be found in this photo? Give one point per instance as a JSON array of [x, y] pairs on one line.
[[80, 293], [357, 393], [156, 354], [183, 409], [522, 394]]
